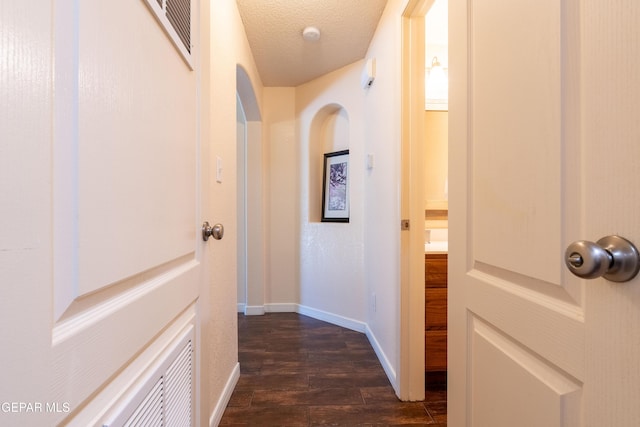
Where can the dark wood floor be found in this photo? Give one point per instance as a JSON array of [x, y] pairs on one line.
[[299, 371]]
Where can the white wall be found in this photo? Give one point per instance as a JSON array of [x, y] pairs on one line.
[[382, 186], [227, 47], [332, 254], [255, 219], [436, 158], [283, 280]]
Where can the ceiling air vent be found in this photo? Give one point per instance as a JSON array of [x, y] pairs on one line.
[[175, 18]]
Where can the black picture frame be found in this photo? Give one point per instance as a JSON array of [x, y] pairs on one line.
[[335, 187]]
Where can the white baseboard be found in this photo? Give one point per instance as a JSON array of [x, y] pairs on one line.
[[241, 307], [223, 401], [281, 308], [254, 310], [345, 322], [384, 361]]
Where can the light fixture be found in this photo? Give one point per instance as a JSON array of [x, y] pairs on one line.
[[436, 87], [311, 34]]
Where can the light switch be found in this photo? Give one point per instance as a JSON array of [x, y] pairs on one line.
[[369, 161], [218, 169]]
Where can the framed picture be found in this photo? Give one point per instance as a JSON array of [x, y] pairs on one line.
[[335, 187]]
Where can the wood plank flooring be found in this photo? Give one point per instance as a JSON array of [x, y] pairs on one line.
[[299, 371]]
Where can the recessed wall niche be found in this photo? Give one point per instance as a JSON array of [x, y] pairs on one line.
[[329, 132]]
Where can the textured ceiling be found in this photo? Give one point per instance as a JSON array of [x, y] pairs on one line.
[[284, 58]]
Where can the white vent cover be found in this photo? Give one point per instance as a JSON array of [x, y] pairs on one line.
[[164, 396], [150, 412], [178, 386], [175, 18]]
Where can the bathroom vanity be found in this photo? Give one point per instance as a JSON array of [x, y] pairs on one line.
[[436, 250], [435, 294]]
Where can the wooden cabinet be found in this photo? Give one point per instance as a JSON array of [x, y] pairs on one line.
[[435, 321]]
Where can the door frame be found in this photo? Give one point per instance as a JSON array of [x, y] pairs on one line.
[[412, 303]]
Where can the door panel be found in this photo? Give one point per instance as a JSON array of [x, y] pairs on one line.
[[544, 141], [127, 255], [526, 388], [515, 135], [516, 187], [515, 313], [136, 148]]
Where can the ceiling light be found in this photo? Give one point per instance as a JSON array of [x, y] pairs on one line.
[[311, 34]]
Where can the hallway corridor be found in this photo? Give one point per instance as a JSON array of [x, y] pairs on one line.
[[299, 371]]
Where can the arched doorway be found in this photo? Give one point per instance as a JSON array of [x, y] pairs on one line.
[[251, 255]]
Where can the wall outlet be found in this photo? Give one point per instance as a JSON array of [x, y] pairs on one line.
[[374, 304]]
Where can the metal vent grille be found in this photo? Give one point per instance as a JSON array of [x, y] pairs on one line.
[[179, 15], [175, 18]]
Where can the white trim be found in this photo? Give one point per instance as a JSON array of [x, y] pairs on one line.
[[74, 325], [384, 361], [240, 307], [225, 397], [281, 308], [345, 322], [254, 310]]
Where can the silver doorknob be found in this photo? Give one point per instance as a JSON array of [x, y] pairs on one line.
[[217, 231], [612, 257]]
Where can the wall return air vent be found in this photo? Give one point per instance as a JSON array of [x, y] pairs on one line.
[[175, 18]]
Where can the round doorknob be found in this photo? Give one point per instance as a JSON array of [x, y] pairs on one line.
[[217, 231], [611, 257]]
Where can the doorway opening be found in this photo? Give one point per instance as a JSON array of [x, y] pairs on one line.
[[250, 202], [436, 196], [420, 121]]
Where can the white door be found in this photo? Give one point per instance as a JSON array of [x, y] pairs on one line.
[[544, 150], [101, 259]]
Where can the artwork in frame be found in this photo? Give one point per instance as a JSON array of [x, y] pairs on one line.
[[335, 187]]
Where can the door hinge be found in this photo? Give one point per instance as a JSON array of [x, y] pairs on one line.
[[404, 224]]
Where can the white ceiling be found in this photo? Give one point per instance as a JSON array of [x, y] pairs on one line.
[[284, 58]]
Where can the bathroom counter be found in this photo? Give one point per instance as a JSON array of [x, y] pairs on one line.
[[436, 240], [436, 247]]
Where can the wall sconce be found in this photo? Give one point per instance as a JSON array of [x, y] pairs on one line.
[[436, 87]]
